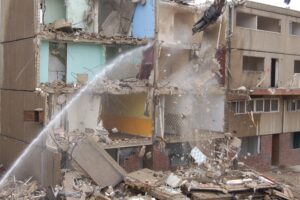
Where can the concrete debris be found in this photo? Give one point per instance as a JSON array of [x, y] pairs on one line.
[[61, 25], [198, 156], [173, 181], [80, 36], [28, 189], [88, 154]]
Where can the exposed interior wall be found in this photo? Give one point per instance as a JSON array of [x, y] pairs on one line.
[[84, 113], [143, 24], [172, 61], [76, 12], [115, 16], [130, 65], [54, 10], [187, 114], [126, 113], [18, 19], [44, 62], [175, 25], [57, 62], [84, 59], [20, 73], [53, 60]]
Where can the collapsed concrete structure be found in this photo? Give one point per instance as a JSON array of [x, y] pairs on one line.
[[186, 89]]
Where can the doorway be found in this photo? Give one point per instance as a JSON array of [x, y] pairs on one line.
[[274, 72], [275, 149]]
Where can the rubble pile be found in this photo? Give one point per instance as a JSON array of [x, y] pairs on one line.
[[16, 189]]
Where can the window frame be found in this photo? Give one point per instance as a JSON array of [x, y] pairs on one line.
[[289, 105], [254, 102]]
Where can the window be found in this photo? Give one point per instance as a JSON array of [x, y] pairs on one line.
[[253, 63], [293, 105], [297, 66], [257, 106], [250, 145], [246, 20], [34, 116], [296, 140], [295, 28], [242, 107], [268, 24], [266, 105]]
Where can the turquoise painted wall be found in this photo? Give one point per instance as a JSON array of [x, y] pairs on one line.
[[44, 61], [75, 12], [55, 9], [143, 25], [84, 59]]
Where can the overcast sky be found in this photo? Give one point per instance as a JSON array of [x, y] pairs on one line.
[[295, 4]]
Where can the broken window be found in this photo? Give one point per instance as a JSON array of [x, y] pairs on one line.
[[251, 63], [246, 20], [34, 116], [295, 28], [268, 24], [296, 140], [250, 146], [293, 105], [297, 66]]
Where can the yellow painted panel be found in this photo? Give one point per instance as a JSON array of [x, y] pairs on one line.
[[131, 125]]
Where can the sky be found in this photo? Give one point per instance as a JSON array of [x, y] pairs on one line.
[[295, 4]]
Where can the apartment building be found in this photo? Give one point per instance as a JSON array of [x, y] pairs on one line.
[[160, 99], [182, 91], [263, 83]]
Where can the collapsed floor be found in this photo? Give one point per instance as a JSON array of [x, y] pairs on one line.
[[220, 176]]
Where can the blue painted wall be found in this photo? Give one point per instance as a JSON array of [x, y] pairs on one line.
[[44, 61], [143, 25], [84, 59]]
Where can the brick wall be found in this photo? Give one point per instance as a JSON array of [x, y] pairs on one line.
[[287, 155], [263, 160]]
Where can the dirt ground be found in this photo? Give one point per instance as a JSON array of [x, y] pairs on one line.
[[288, 176]]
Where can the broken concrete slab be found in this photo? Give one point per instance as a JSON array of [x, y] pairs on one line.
[[97, 163]]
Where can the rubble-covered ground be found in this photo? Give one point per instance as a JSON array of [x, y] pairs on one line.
[[288, 176]]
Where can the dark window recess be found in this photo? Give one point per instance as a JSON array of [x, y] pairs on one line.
[[296, 140], [297, 66], [34, 116], [268, 24], [259, 107], [253, 63]]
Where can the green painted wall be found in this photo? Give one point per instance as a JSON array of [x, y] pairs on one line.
[[75, 12], [84, 59], [44, 61], [55, 9]]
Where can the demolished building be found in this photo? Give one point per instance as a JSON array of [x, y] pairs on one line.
[[185, 89]]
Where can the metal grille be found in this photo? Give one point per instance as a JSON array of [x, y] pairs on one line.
[[174, 123]]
